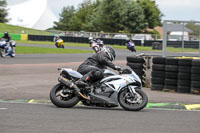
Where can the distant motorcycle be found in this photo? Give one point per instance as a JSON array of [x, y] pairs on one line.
[[7, 48], [124, 89], [59, 43], [97, 45], [130, 45]]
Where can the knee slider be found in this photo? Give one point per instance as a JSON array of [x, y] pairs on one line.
[[98, 74]]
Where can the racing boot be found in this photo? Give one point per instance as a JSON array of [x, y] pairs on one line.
[[82, 82]]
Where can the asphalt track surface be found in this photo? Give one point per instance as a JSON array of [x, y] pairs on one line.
[[29, 78], [45, 118]]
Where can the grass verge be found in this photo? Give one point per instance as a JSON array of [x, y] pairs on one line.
[[18, 30], [138, 48], [43, 50]]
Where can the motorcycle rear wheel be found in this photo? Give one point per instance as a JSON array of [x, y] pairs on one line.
[[130, 103], [59, 99]]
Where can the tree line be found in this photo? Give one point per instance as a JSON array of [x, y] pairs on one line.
[[3, 11], [129, 16]]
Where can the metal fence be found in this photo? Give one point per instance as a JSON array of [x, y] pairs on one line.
[[105, 35], [177, 32]]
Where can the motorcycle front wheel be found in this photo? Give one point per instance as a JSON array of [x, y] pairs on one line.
[[13, 52], [63, 96], [132, 103]]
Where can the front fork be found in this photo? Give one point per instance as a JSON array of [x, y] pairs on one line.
[[132, 90]]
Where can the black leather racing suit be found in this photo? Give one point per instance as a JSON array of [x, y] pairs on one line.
[[7, 38], [92, 67]]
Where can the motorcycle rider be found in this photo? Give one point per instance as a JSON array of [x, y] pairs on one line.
[[97, 45], [91, 40], [56, 38], [6, 45], [93, 44], [6, 36], [58, 42], [100, 43], [92, 67], [130, 45]]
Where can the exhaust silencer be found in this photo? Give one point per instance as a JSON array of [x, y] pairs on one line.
[[71, 85], [67, 82]]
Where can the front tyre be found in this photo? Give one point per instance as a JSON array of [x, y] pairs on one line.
[[132, 103], [63, 96], [13, 52]]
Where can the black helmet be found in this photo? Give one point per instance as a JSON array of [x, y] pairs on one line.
[[6, 33], [100, 43], [110, 53]]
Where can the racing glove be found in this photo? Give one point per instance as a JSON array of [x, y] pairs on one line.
[[118, 68]]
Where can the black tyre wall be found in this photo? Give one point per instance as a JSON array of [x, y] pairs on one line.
[[195, 77], [181, 75], [135, 59], [158, 67], [158, 60], [158, 73], [137, 65]]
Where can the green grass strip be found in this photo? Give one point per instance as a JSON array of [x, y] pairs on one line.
[[138, 48], [19, 30], [44, 50], [156, 105]]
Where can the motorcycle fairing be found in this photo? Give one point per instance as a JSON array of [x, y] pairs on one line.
[[72, 73], [117, 82]]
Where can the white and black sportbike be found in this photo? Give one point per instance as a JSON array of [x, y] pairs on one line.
[[7, 48], [124, 89]]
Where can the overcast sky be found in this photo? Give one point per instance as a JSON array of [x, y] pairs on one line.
[[180, 9]]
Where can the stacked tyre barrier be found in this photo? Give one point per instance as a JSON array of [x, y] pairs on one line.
[[171, 74], [137, 64], [176, 75], [195, 77], [184, 75], [158, 73]]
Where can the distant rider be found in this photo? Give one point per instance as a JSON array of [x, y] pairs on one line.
[[58, 42], [97, 45], [5, 43], [6, 36], [130, 45], [56, 38]]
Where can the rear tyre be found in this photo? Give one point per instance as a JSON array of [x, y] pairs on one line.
[[132, 103], [63, 99]]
